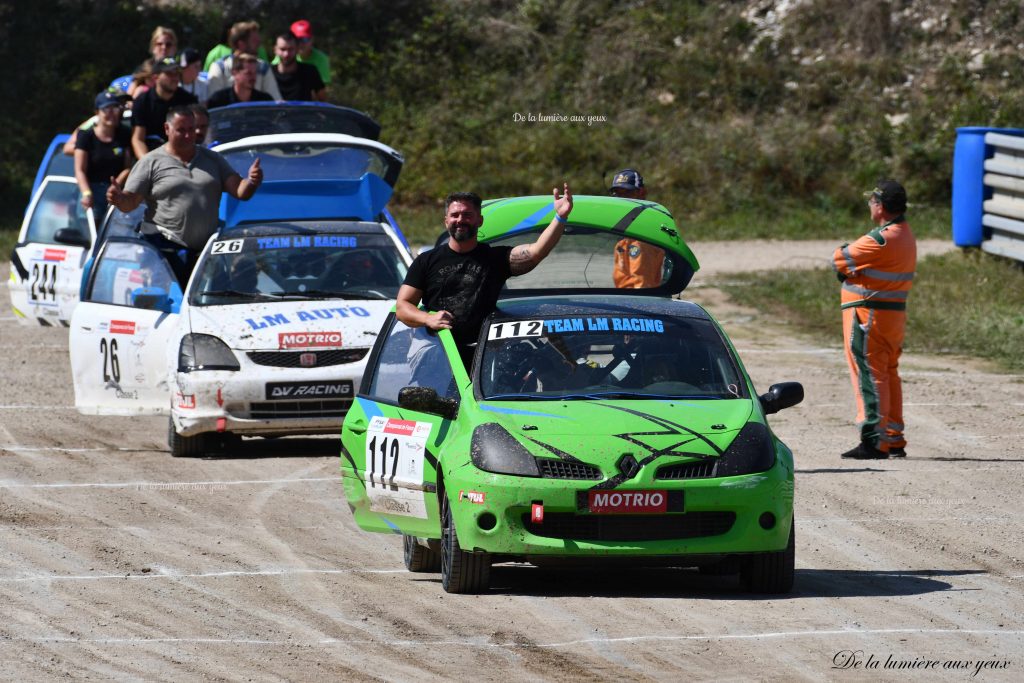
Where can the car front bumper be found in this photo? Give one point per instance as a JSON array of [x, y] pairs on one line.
[[246, 403], [743, 514]]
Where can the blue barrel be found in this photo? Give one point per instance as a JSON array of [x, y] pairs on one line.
[[969, 192]]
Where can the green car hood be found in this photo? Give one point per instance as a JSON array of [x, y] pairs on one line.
[[594, 431]]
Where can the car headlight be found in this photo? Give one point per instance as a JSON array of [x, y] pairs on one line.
[[493, 449], [204, 352], [751, 451]]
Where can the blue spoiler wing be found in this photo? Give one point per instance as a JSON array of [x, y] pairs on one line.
[[284, 200]]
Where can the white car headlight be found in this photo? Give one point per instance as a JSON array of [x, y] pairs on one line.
[[204, 352]]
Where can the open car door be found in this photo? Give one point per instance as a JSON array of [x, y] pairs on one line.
[[122, 332], [53, 244]]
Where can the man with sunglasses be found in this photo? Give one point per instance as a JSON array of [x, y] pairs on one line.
[[877, 272]]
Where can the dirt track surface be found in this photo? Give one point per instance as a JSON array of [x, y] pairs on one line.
[[118, 561]]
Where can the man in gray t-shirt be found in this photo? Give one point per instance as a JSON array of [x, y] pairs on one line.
[[181, 183]]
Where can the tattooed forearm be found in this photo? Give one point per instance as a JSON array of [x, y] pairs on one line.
[[520, 260]]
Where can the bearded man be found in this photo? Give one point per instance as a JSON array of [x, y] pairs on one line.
[[459, 281]]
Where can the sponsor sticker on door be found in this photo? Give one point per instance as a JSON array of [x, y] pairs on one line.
[[394, 465], [122, 327], [626, 502]]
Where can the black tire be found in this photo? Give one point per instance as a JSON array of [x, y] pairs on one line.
[[461, 572], [419, 559], [187, 446], [771, 572]]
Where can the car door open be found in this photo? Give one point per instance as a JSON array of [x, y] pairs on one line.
[[121, 330], [52, 247]]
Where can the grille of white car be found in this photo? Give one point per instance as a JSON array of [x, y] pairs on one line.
[[278, 410], [293, 359]]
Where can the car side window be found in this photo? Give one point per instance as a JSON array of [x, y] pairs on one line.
[[58, 207], [411, 357], [125, 269]]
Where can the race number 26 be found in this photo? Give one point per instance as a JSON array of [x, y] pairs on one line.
[[111, 366]]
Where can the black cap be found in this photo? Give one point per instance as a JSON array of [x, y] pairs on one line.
[[165, 65], [107, 99], [890, 195], [627, 179], [189, 55]]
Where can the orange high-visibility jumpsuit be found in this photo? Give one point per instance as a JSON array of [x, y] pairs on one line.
[[637, 264], [877, 272]]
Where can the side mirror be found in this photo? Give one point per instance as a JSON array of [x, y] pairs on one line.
[[426, 400], [781, 396], [152, 299], [72, 237]]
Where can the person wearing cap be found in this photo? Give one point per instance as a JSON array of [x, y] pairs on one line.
[[192, 80], [637, 265], [459, 281], [181, 183], [307, 54], [244, 38], [123, 99], [877, 272], [297, 81], [150, 108], [102, 151], [243, 84]]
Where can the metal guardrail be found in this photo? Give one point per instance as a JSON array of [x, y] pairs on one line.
[[1003, 210]]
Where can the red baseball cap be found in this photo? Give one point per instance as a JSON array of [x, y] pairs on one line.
[[302, 29]]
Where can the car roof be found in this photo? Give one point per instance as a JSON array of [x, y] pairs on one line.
[[331, 138], [647, 221], [245, 119], [595, 305]]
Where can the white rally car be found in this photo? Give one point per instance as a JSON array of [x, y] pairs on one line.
[[271, 334], [274, 325]]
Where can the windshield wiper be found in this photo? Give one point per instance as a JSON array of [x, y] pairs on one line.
[[236, 294], [522, 397], [328, 294]]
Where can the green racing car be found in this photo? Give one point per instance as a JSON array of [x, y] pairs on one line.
[[595, 422]]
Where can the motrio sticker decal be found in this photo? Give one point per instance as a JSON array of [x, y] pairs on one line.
[[306, 340]]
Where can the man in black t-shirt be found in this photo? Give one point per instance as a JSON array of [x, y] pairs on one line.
[[295, 80], [461, 280], [149, 110], [244, 71]]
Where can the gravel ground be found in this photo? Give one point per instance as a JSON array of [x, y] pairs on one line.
[[118, 561]]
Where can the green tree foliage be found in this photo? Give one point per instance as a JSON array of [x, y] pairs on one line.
[[727, 107]]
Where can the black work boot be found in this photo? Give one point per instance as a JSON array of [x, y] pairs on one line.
[[897, 452], [865, 451]]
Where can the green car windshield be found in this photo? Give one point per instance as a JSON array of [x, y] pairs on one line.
[[608, 357]]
